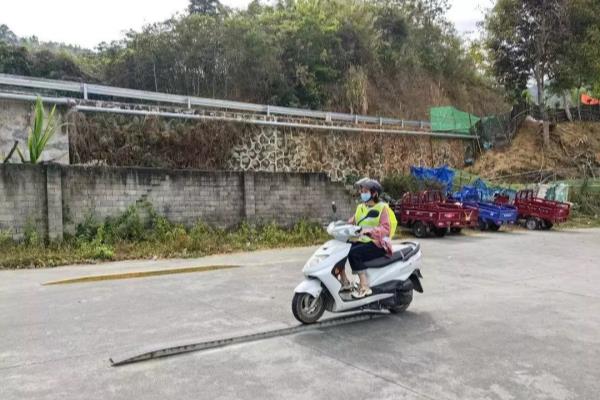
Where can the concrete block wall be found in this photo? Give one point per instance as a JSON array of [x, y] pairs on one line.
[[284, 197], [181, 196], [55, 198], [23, 199]]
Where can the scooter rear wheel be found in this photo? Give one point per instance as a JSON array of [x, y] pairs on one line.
[[404, 306], [306, 308]]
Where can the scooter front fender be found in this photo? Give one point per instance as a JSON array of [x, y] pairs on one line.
[[310, 286]]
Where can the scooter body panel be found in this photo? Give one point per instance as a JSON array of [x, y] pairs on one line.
[[311, 286]]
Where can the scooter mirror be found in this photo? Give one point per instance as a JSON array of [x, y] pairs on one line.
[[373, 214], [370, 214], [333, 207]]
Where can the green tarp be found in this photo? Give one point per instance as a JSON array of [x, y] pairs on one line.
[[449, 119]]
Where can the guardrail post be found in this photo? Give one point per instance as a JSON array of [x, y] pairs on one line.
[[268, 110], [85, 91], [189, 99], [328, 117], [402, 123], [380, 121]]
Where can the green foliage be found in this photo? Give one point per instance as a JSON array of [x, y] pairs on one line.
[[31, 236], [5, 238], [27, 57], [587, 202], [140, 232], [556, 40], [127, 227], [524, 40], [7, 36], [304, 53], [397, 185], [207, 7], [41, 132], [578, 62]]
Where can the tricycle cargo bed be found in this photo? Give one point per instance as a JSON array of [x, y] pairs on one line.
[[428, 212]]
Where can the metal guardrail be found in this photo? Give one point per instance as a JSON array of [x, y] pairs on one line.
[[87, 89]]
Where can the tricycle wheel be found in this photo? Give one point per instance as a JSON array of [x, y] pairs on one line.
[[494, 227], [456, 230], [440, 232], [546, 225], [419, 229], [532, 224], [483, 226]]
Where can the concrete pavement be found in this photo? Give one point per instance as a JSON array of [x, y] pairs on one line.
[[504, 316]]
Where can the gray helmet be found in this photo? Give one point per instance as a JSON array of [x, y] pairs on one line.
[[370, 184], [359, 182]]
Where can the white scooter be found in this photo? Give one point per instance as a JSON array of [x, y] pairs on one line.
[[391, 279]]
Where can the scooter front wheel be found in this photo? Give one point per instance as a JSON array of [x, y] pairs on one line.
[[306, 308]]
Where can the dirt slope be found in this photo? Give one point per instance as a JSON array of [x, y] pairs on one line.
[[573, 151]]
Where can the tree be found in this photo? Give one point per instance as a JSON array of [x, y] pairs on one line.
[[7, 36], [205, 7], [578, 64], [524, 39], [14, 60]]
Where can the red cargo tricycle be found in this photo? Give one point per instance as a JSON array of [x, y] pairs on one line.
[[429, 212], [538, 213]]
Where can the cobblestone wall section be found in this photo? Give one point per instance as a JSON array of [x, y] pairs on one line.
[[341, 154]]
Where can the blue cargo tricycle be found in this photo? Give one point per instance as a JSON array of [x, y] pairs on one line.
[[491, 216]]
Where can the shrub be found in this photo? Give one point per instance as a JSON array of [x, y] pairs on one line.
[[5, 239], [87, 229], [586, 202], [127, 236], [31, 235], [396, 185], [103, 252]]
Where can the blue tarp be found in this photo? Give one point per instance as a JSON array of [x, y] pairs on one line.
[[442, 174], [487, 193]]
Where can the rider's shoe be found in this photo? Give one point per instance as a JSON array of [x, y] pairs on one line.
[[361, 293]]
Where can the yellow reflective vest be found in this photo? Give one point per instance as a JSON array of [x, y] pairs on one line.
[[361, 212]]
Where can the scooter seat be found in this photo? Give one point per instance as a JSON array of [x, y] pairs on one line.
[[401, 255]]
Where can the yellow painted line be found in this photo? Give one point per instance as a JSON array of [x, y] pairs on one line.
[[140, 274]]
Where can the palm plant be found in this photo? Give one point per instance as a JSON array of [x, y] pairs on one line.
[[41, 132]]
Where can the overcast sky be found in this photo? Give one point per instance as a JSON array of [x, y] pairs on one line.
[[87, 23]]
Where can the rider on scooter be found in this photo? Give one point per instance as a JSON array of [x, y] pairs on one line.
[[376, 233]]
